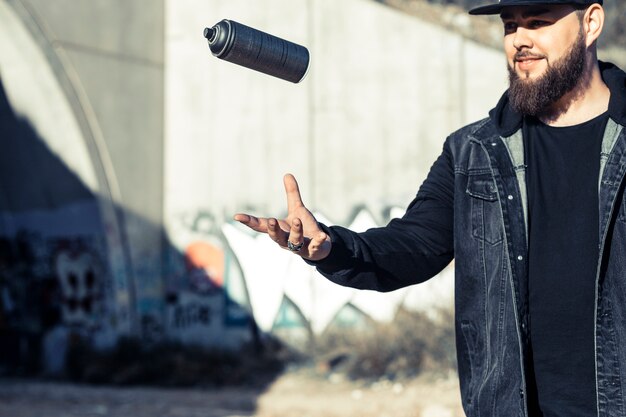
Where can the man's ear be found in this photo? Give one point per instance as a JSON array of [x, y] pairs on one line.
[[593, 22]]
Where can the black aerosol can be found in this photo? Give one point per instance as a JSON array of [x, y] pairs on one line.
[[260, 51]]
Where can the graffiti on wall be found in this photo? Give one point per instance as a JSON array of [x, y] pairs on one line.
[[67, 273], [204, 264], [222, 282], [284, 295], [288, 293], [81, 282], [51, 287], [207, 301]]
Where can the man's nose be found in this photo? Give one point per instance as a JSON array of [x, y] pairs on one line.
[[522, 39]]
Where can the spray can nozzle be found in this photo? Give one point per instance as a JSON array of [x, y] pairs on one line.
[[209, 33]]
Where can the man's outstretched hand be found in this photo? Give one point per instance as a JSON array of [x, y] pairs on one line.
[[299, 228]]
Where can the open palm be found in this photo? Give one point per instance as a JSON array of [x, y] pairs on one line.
[[300, 228]]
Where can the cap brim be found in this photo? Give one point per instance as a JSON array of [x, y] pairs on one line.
[[489, 9], [497, 8]]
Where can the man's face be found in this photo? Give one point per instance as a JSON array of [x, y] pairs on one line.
[[546, 49]]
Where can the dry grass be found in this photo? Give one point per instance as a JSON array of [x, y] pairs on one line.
[[411, 344]]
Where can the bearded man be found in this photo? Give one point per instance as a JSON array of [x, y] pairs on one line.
[[530, 204]]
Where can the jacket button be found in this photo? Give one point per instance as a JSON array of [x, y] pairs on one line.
[[520, 258], [510, 197]]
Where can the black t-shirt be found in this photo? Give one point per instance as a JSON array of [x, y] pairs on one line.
[[562, 183]]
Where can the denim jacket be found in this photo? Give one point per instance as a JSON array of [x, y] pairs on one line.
[[472, 208]]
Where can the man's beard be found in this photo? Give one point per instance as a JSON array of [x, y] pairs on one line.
[[534, 97]]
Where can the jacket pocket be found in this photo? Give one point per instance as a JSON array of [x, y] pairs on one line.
[[468, 365], [621, 213], [485, 209]]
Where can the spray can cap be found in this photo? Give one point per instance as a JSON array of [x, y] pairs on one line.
[[220, 38]]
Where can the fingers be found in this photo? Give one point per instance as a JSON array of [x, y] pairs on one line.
[[242, 218], [314, 246], [295, 236], [316, 242], [294, 200], [290, 232], [254, 223], [275, 232], [318, 247]]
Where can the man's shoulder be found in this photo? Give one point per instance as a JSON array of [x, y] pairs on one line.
[[464, 142], [477, 131], [615, 79]]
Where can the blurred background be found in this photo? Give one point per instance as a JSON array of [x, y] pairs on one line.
[[126, 148]]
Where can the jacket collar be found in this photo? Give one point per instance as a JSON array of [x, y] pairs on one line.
[[507, 121]]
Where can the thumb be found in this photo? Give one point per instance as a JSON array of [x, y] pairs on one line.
[[294, 199]]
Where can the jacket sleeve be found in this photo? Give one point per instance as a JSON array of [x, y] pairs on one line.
[[406, 251]]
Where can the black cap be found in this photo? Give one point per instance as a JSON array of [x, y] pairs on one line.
[[496, 8]]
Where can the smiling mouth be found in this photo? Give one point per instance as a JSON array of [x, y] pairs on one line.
[[527, 63]]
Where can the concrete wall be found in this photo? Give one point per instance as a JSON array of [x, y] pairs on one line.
[[383, 91], [113, 52], [81, 191], [130, 147]]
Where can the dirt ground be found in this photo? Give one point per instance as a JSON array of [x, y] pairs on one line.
[[294, 394], [299, 395]]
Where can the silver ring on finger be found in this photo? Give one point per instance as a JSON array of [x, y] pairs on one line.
[[294, 247]]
